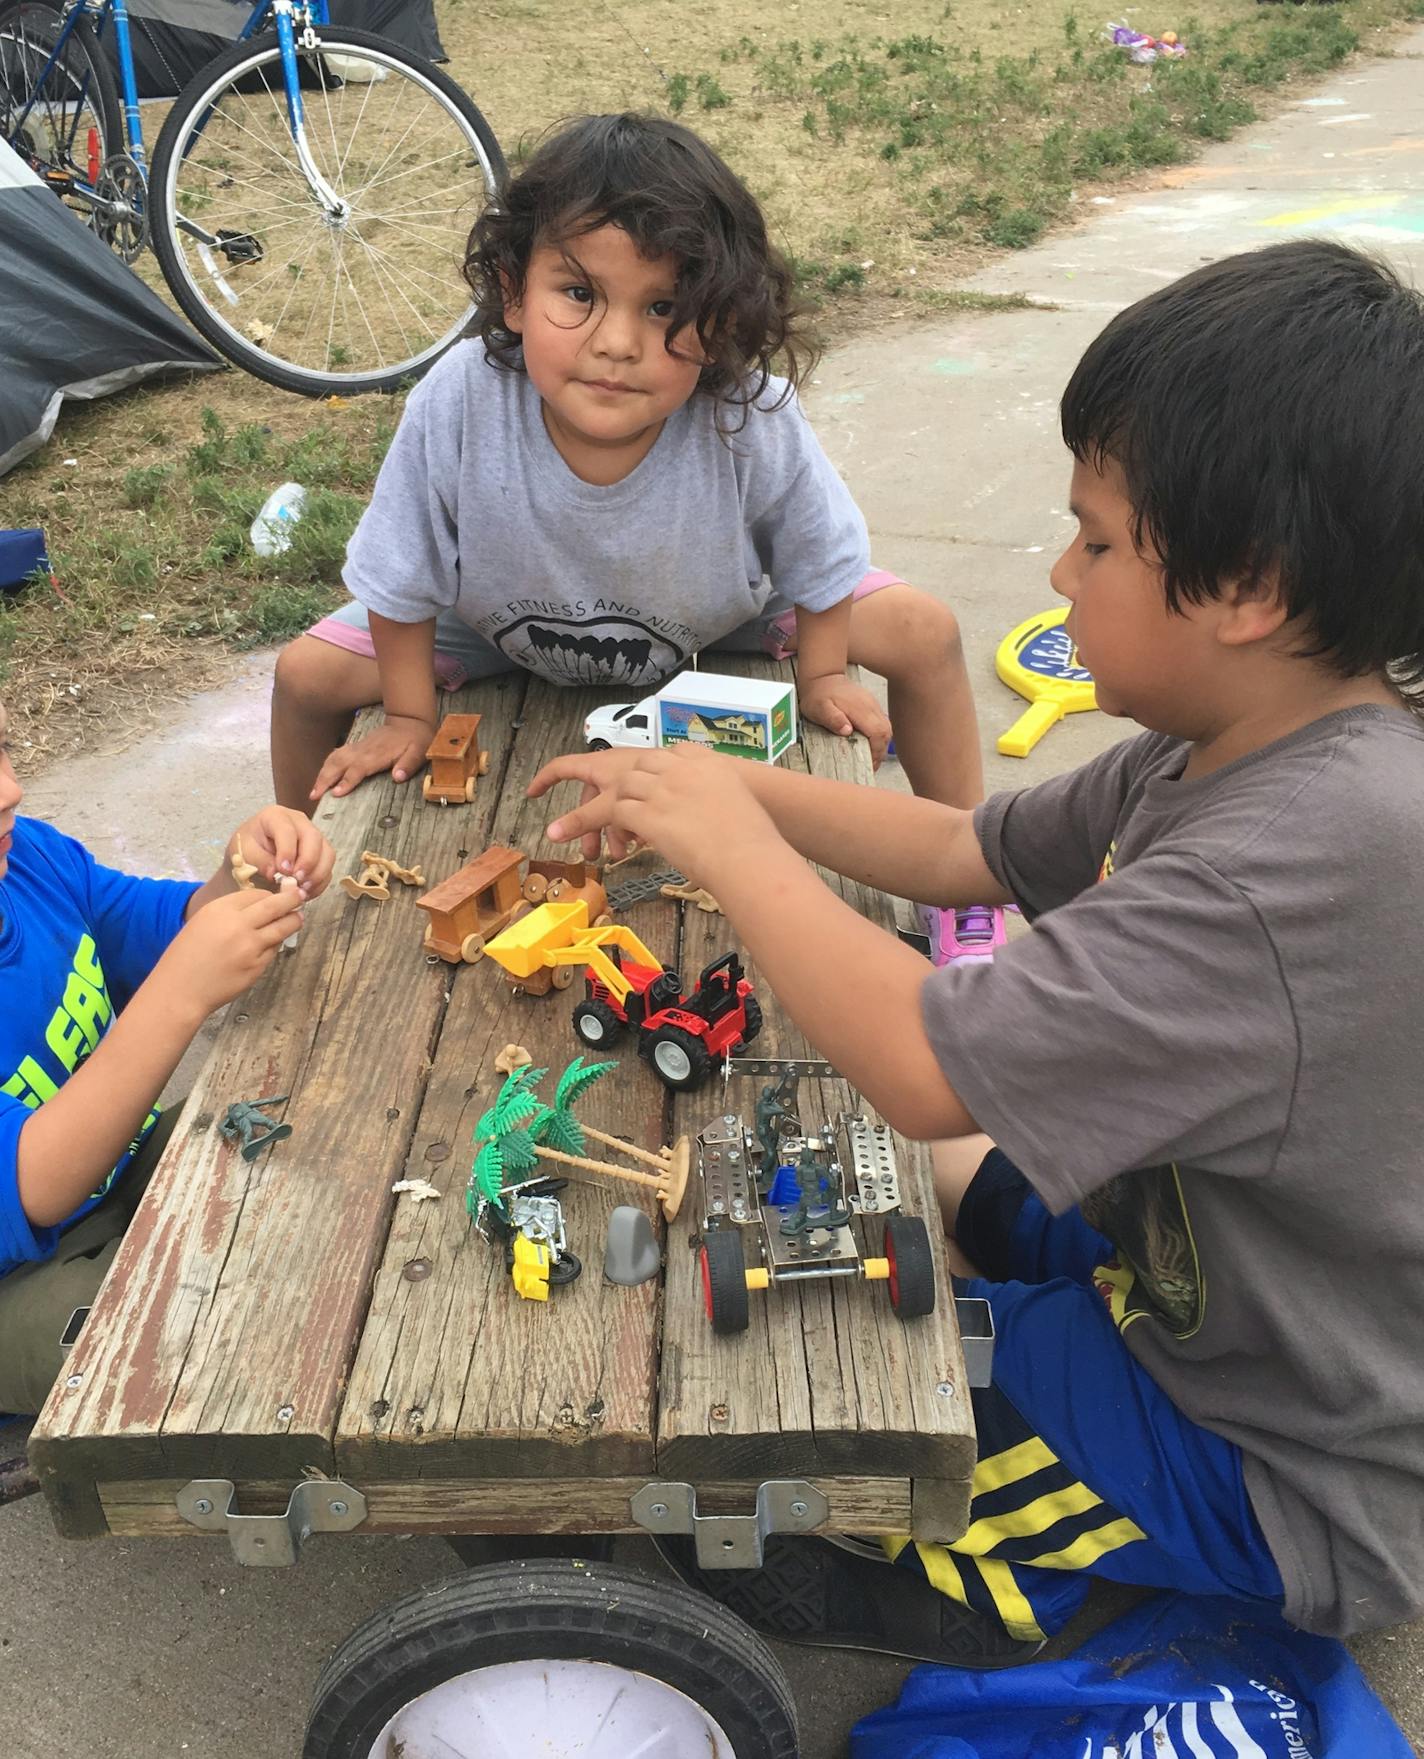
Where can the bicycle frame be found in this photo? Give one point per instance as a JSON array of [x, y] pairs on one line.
[[279, 12]]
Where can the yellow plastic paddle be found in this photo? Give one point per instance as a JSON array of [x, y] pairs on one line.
[[1039, 661]]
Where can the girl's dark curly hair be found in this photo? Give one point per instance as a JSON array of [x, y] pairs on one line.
[[674, 197]]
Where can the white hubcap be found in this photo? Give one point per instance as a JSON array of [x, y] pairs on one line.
[[591, 1029], [555, 1709], [673, 1061]]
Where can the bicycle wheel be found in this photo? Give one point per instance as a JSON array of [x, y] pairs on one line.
[[343, 276], [74, 121]]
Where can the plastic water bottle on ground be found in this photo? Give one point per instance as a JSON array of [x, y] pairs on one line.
[[271, 530]]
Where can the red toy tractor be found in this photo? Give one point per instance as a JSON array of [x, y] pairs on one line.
[[683, 1037]]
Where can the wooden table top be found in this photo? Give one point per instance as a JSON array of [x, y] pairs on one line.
[[289, 1317]]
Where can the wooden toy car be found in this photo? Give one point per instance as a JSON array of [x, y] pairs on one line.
[[561, 882], [476, 902], [455, 761]]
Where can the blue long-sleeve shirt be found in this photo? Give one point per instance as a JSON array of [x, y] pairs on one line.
[[76, 941]]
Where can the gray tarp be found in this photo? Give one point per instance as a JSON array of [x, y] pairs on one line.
[[172, 39], [74, 320]]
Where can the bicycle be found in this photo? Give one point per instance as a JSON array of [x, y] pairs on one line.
[[307, 201]]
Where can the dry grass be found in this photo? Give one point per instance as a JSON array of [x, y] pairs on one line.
[[892, 147]]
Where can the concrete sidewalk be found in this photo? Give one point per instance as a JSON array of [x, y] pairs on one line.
[[947, 435]]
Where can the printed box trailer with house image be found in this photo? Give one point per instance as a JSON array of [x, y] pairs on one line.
[[744, 717]]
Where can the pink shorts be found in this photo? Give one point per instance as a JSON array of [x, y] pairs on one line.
[[779, 635], [462, 657]]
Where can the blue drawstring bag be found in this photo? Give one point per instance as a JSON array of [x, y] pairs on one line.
[[21, 553], [1176, 1678]]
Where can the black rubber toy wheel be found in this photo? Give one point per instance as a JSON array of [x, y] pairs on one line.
[[724, 1280], [680, 1058], [752, 1009], [912, 1280], [596, 1024], [599, 745], [537, 1648]]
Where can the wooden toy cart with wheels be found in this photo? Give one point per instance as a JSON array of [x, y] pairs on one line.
[[456, 761], [284, 1352], [473, 905], [561, 882]]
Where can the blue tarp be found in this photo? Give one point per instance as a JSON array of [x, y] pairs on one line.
[[1176, 1678]]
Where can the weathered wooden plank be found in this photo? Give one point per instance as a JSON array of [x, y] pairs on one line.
[[826, 1378], [939, 1508], [146, 1509], [457, 1376], [222, 1337]]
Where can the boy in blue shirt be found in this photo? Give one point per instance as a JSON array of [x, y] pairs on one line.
[[107, 979], [1178, 1126]]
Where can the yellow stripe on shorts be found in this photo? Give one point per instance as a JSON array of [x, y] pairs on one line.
[[1020, 1461], [1087, 1548], [980, 1538]]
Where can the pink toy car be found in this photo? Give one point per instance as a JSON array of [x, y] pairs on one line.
[[973, 934]]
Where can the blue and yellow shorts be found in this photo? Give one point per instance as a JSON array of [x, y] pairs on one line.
[[1085, 1467]]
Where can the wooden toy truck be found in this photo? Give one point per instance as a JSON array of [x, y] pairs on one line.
[[455, 761], [476, 902]]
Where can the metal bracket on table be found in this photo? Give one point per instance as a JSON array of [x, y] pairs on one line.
[[976, 1334], [731, 1542], [318, 1505], [808, 1068]]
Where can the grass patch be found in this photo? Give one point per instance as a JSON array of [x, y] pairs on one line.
[[984, 148], [153, 561]]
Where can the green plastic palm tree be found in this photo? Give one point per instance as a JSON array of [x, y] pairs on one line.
[[556, 1126], [506, 1145], [519, 1131]]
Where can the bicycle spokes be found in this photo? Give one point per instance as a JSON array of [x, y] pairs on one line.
[[336, 248]]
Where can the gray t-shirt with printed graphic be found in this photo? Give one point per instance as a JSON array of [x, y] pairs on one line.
[[475, 511], [1218, 1052]]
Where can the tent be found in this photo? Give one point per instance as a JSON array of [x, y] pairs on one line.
[[172, 39], [74, 320]]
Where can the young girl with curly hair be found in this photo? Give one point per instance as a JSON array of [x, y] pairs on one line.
[[607, 479]]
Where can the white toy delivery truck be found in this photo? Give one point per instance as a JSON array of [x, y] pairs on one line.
[[744, 717]]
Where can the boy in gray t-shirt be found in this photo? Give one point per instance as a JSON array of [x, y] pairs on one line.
[[1181, 1124]]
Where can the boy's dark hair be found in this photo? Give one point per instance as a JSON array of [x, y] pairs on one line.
[[673, 196], [1267, 412]]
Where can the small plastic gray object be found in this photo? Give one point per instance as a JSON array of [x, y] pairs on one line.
[[632, 1254], [649, 885]]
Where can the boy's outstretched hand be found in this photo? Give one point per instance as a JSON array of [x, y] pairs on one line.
[[693, 806], [399, 745], [281, 844], [223, 949], [836, 703]]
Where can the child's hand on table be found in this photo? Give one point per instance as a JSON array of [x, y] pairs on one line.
[[399, 745], [282, 844], [692, 806], [834, 702]]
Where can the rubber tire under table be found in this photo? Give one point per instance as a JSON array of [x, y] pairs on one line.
[[554, 1609]]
